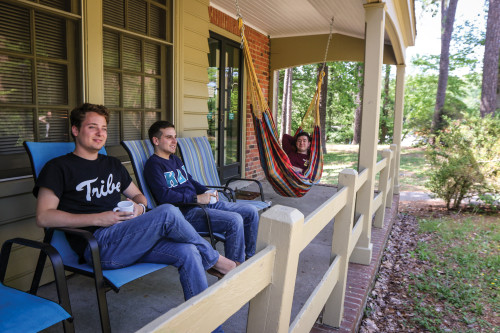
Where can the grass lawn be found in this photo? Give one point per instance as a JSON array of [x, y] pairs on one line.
[[457, 287], [454, 285], [413, 165]]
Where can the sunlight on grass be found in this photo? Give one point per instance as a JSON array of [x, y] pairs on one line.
[[461, 261], [413, 165]]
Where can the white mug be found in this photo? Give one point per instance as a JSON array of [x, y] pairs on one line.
[[213, 199], [124, 206]]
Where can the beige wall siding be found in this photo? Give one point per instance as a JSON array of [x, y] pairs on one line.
[[195, 33], [18, 205]]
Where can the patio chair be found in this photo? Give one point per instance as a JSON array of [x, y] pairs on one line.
[[40, 153], [25, 312], [139, 151], [200, 163]]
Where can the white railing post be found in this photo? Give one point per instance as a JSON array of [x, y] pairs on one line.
[[270, 310], [393, 174], [383, 185], [342, 227]]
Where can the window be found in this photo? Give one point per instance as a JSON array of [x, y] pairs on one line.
[[137, 45], [225, 118], [40, 71], [38, 76]]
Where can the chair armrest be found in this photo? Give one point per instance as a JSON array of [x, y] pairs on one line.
[[224, 189], [55, 258], [207, 218], [248, 179], [90, 239]]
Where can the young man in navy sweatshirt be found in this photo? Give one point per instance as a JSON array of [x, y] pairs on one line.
[[169, 182]]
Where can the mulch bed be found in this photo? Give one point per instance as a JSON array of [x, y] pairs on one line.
[[389, 307]]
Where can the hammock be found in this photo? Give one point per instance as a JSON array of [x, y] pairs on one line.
[[274, 160]]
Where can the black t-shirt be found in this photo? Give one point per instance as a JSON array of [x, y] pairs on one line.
[[84, 186]]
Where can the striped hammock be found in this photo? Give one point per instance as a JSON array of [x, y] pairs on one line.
[[274, 160]]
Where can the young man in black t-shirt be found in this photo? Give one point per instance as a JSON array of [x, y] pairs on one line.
[[81, 189]]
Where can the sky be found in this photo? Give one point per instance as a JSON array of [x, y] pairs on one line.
[[428, 40]]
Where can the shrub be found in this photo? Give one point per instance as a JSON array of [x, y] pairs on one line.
[[465, 160]]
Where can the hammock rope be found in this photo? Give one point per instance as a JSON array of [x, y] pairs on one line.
[[274, 160]]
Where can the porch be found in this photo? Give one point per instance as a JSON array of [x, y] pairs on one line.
[[142, 301]]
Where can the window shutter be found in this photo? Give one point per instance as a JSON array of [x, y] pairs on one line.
[[111, 50], [137, 18], [131, 125], [113, 129], [16, 75], [113, 13], [57, 4], [14, 29], [52, 83], [50, 33], [134, 74], [53, 125], [32, 63], [157, 22], [16, 127]]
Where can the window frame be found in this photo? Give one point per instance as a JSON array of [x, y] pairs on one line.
[[17, 164]]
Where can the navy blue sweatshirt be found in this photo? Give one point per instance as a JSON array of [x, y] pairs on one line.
[[170, 182]]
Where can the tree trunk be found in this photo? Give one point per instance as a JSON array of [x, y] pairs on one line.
[[359, 109], [322, 106], [447, 20], [276, 89], [286, 107], [490, 62], [384, 128]]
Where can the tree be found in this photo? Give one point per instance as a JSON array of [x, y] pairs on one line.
[[490, 62], [286, 106], [322, 105], [359, 105], [386, 105], [448, 10]]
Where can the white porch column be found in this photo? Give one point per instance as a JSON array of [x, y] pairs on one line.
[[398, 119], [374, 46], [93, 61]]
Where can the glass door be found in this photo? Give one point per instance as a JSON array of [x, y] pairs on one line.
[[224, 105]]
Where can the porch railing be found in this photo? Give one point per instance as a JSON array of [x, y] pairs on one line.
[[267, 280]]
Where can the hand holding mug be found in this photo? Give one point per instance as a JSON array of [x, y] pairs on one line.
[[214, 196], [125, 206]]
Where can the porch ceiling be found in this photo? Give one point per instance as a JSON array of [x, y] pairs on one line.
[[290, 18]]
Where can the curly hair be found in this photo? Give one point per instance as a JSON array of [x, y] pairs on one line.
[[79, 113]]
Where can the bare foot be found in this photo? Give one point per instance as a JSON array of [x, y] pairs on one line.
[[224, 265]]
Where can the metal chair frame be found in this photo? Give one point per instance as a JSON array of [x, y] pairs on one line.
[[46, 250]]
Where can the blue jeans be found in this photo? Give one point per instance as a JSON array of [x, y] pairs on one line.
[[160, 236], [238, 222]]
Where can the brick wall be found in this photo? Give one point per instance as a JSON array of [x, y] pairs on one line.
[[260, 51]]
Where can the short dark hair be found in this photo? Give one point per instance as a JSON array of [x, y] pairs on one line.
[[79, 113], [303, 134], [154, 130]]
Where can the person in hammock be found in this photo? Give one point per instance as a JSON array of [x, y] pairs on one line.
[[298, 150]]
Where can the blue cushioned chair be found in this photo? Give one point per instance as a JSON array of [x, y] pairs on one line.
[[200, 163], [24, 312], [40, 153], [139, 151]]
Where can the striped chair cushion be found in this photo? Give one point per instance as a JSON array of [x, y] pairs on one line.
[[139, 152]]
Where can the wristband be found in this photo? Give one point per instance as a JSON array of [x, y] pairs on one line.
[[143, 208]]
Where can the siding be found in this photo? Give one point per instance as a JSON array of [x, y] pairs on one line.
[[195, 35], [18, 205]]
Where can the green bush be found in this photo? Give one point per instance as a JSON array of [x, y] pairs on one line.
[[465, 161]]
